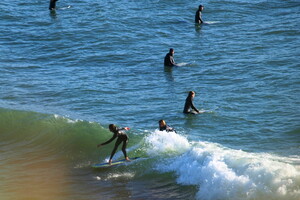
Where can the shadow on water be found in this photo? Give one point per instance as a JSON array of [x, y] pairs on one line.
[[169, 73], [52, 14], [198, 27], [190, 120]]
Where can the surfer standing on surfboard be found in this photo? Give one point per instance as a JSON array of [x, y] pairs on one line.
[[189, 107], [122, 137]]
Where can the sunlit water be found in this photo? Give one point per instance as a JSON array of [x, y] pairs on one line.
[[66, 75]]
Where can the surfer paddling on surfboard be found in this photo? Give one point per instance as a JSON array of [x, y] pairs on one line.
[[121, 137], [164, 127]]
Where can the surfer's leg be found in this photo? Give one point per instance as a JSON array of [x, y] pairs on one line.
[[124, 149], [118, 142]]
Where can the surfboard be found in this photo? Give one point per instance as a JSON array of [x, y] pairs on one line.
[[193, 112], [202, 111], [181, 64], [211, 22], [114, 163], [184, 64]]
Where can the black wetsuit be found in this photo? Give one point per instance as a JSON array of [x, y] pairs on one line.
[[188, 105], [167, 128], [52, 4], [122, 137], [198, 17], [169, 60]]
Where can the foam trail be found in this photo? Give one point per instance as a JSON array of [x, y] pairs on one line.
[[222, 173]]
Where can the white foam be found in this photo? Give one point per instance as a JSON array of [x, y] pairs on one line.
[[126, 175], [70, 121], [113, 176], [162, 142], [222, 173]]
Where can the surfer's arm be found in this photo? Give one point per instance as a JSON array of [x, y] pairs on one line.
[[193, 107], [170, 129], [108, 141], [172, 61], [200, 18]]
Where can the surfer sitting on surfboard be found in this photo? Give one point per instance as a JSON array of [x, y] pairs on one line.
[[122, 137], [169, 59], [164, 127], [198, 16], [189, 104]]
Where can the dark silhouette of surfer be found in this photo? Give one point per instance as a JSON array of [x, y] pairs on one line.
[[169, 59], [121, 138], [189, 107], [198, 16], [52, 4]]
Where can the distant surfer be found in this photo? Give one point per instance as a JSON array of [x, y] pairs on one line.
[[121, 137], [198, 16], [169, 58], [164, 127], [189, 107], [52, 4]]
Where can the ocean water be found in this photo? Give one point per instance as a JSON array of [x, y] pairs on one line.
[[66, 75]]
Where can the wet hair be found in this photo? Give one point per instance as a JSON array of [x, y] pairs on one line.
[[162, 122], [112, 127], [201, 6], [191, 93], [171, 50]]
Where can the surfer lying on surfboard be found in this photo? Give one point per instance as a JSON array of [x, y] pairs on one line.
[[121, 137], [164, 127]]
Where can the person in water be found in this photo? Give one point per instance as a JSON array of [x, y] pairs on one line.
[[52, 4], [169, 59], [198, 16], [121, 137], [189, 107], [164, 127]]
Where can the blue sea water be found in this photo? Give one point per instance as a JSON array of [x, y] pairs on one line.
[[66, 75]]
